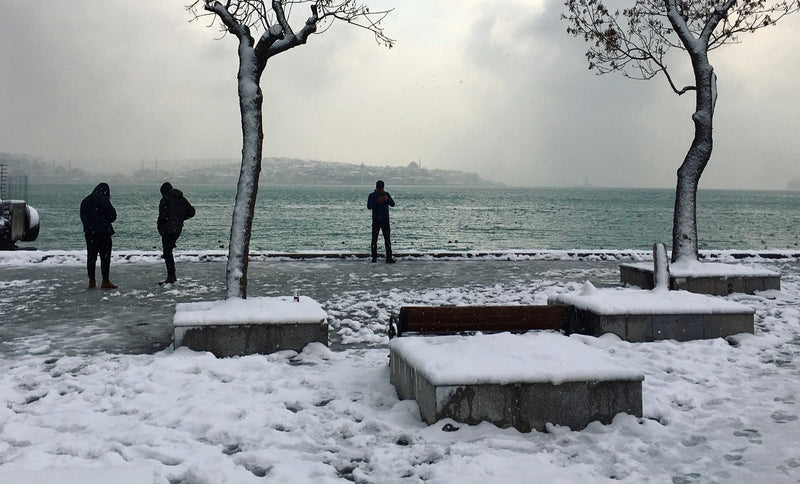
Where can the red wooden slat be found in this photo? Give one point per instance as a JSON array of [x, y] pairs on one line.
[[447, 319]]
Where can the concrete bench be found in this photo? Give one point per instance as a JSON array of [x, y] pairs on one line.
[[236, 327], [461, 319], [713, 278], [510, 380], [661, 313], [639, 316], [523, 381]]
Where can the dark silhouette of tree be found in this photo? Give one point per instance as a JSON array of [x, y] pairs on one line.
[[636, 42], [244, 19]]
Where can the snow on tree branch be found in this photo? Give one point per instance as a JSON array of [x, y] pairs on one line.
[[262, 17], [636, 40]]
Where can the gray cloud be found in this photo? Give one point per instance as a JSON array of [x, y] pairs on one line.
[[493, 87]]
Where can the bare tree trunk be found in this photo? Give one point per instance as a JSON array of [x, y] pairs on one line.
[[250, 105], [684, 222], [277, 38]]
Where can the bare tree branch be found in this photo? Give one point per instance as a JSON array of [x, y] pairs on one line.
[[231, 24], [260, 16], [637, 40]]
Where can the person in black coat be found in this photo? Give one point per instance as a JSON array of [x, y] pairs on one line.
[[97, 214], [173, 210], [379, 202]]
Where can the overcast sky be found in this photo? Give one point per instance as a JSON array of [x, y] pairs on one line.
[[495, 87]]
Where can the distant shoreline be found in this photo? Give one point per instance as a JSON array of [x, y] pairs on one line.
[[277, 171]]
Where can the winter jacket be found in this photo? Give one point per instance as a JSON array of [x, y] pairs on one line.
[[173, 210], [380, 211], [97, 213]]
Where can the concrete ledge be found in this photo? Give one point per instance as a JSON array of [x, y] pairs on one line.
[[643, 316], [642, 328], [246, 339], [567, 383], [247, 326], [721, 283]]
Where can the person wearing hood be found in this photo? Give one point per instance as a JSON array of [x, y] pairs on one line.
[[97, 214], [379, 202], [173, 210]]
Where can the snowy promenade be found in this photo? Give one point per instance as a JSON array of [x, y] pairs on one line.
[[87, 381]]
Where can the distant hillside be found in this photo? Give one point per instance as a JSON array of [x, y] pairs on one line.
[[39, 171], [289, 171], [274, 171]]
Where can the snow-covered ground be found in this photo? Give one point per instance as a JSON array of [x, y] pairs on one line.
[[88, 381]]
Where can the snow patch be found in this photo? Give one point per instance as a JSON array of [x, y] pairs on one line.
[[257, 310], [504, 358], [610, 301]]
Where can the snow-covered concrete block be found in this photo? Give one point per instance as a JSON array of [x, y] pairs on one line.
[[716, 279], [513, 380], [255, 325], [639, 315]]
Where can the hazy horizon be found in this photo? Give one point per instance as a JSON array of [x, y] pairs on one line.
[[180, 167], [493, 88]]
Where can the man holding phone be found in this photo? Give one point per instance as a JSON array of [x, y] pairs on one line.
[[379, 202]]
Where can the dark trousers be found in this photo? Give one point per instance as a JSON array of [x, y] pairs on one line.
[[168, 242], [98, 244], [381, 226]]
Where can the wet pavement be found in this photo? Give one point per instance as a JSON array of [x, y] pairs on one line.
[[48, 308]]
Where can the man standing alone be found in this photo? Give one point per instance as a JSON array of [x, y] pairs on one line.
[[97, 214], [173, 210], [379, 202]]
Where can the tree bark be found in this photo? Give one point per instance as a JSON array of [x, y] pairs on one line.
[[250, 106], [253, 58], [684, 222]]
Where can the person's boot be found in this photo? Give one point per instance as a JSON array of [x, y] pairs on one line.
[[92, 285], [108, 285], [171, 280]]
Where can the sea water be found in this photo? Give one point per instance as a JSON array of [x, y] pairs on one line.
[[335, 218]]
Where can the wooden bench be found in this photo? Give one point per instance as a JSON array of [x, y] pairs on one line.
[[460, 319]]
